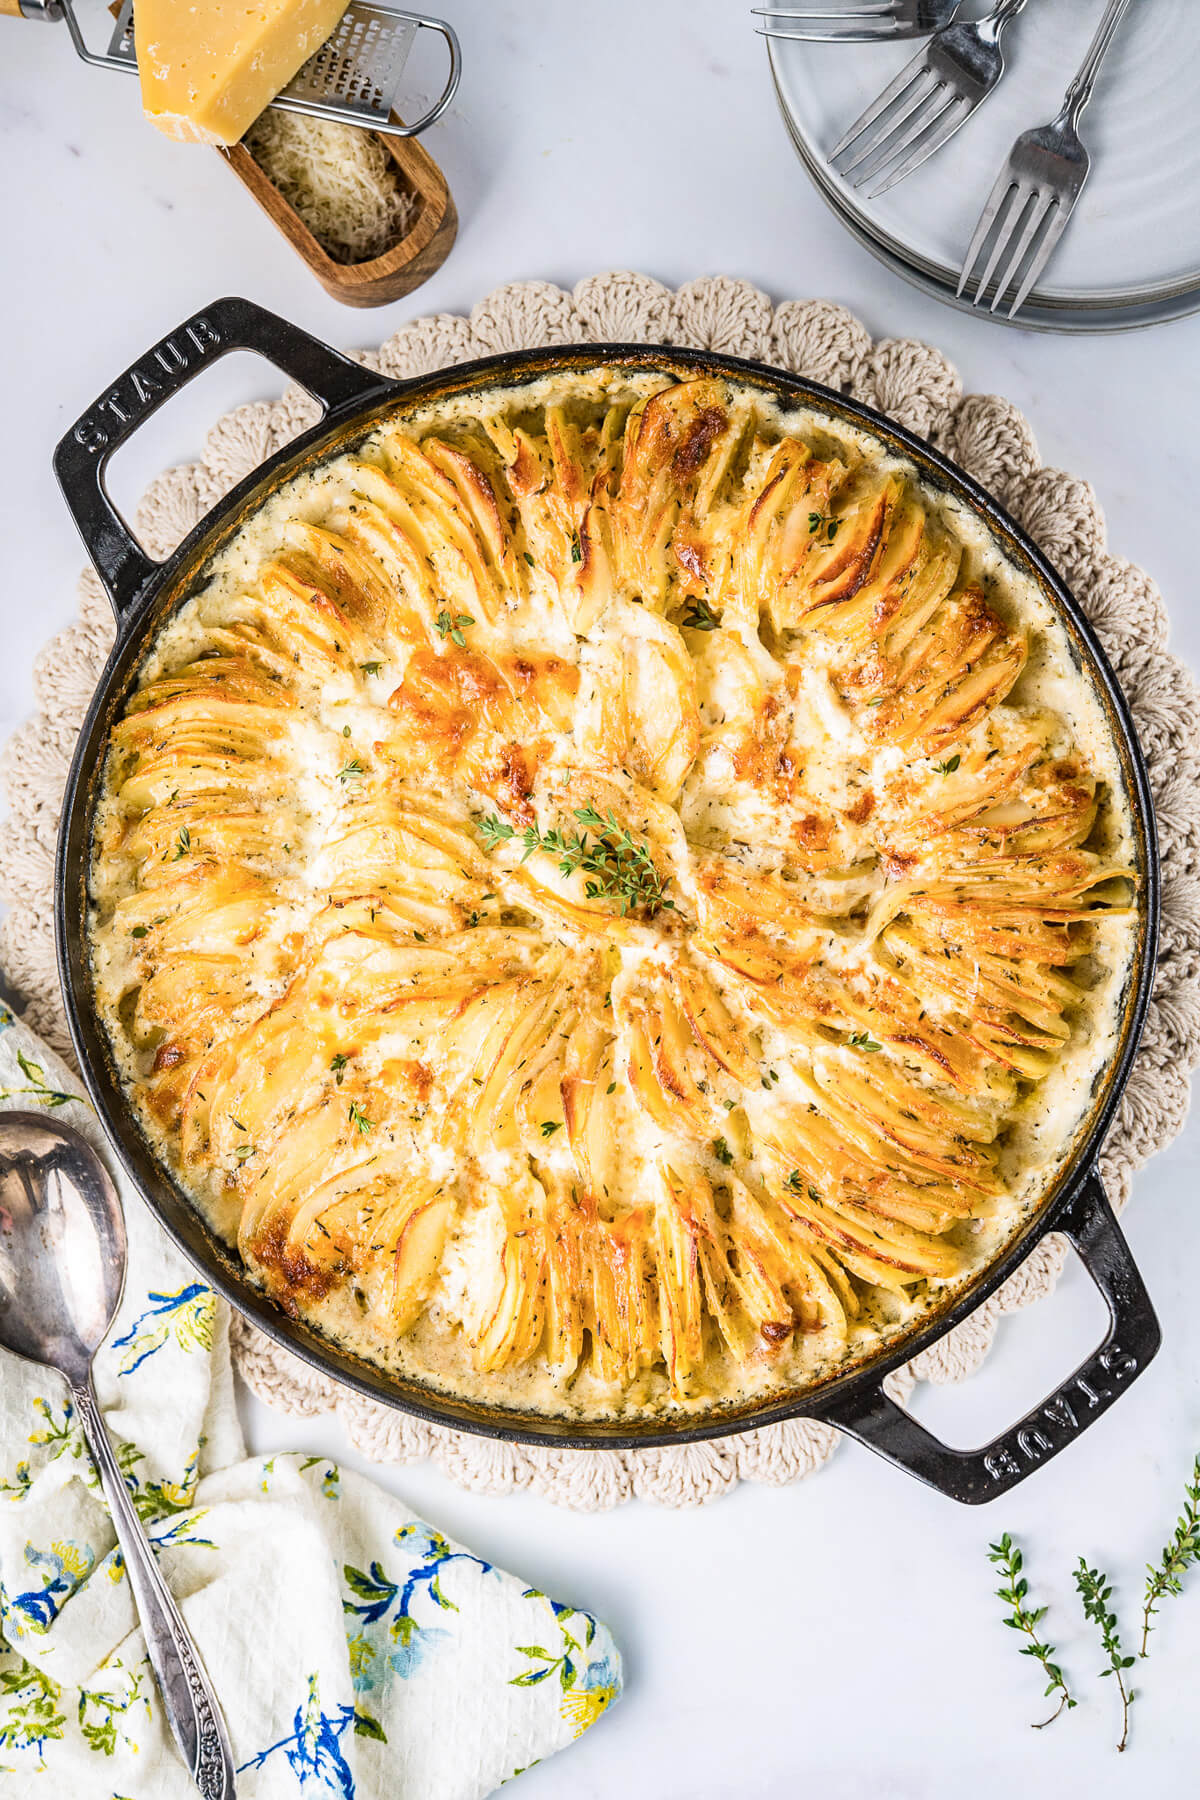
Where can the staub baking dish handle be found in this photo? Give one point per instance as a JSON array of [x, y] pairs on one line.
[[973, 1476], [83, 454]]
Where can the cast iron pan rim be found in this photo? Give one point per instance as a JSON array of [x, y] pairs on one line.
[[187, 1229]]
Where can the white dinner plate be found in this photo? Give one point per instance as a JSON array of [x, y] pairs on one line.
[[1131, 254]]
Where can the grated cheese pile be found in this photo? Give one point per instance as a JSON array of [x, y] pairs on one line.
[[340, 180]]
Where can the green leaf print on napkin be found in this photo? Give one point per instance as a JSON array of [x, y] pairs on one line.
[[406, 1642], [38, 1087], [589, 1684]]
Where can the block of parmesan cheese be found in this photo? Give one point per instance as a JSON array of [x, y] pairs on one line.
[[209, 67]]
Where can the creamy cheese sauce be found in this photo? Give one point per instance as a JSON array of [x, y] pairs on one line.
[[720, 808]]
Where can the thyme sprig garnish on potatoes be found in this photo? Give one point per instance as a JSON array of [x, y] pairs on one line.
[[1095, 1591], [701, 617], [1007, 1557], [1166, 1576], [618, 867], [453, 625]]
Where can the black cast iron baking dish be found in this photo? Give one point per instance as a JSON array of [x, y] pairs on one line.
[[144, 592]]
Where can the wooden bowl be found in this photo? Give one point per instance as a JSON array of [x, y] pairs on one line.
[[399, 270]]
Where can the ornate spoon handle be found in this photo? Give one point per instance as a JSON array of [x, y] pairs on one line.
[[187, 1696]]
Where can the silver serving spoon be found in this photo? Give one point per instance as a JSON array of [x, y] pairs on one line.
[[62, 1267]]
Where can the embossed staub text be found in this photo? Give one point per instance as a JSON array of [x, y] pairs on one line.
[[149, 381], [1045, 1429]]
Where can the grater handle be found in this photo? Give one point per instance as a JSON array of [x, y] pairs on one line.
[[83, 454], [311, 91], [392, 126]]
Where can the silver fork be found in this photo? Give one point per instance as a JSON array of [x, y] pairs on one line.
[[1036, 190], [930, 98], [856, 24]]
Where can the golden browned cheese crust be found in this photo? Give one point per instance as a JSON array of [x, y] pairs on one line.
[[614, 898]]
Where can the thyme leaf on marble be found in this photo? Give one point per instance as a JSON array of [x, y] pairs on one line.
[[1095, 1592], [1166, 1576], [1026, 1619]]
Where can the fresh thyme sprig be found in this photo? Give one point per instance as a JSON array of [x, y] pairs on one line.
[[1183, 1550], [453, 625], [1007, 1557], [618, 867], [700, 617], [1095, 1593]]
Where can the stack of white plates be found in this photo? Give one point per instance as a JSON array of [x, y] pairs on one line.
[[1131, 254]]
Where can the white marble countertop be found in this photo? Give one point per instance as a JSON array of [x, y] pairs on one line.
[[837, 1636]]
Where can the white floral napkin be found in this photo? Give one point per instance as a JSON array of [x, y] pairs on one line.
[[356, 1651]]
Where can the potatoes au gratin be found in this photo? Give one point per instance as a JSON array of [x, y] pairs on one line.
[[613, 897]]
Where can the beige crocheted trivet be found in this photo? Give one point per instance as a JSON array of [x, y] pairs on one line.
[[916, 386]]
